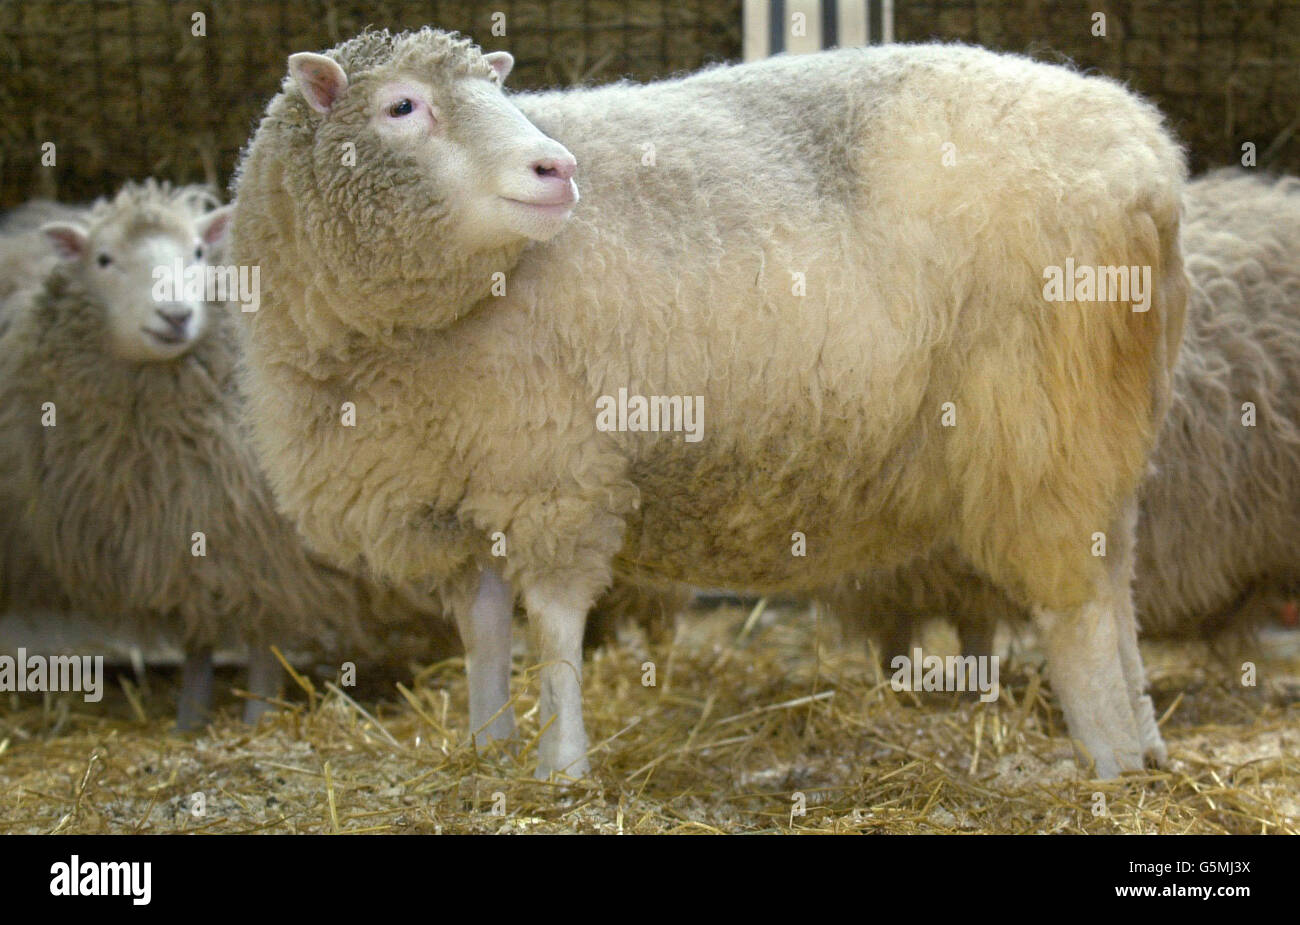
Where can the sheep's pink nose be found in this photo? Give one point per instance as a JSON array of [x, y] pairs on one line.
[[562, 168], [176, 318]]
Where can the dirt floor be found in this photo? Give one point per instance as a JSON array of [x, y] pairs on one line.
[[766, 725]]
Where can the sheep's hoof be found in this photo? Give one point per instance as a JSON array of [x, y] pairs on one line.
[[1109, 761], [501, 729], [1154, 753], [577, 769], [195, 705], [190, 719], [254, 710], [1112, 766]]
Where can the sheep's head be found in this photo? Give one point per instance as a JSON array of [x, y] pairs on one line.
[[126, 249], [404, 160]]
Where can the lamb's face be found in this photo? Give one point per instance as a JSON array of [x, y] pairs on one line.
[[462, 155], [128, 269]]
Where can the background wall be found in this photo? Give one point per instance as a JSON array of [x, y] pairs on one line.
[[123, 89]]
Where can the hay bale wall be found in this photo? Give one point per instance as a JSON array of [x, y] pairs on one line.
[[123, 89]]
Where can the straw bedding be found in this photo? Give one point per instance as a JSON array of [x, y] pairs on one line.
[[744, 715]]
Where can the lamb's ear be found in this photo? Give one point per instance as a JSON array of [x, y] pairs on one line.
[[69, 238], [502, 62], [213, 226], [320, 78]]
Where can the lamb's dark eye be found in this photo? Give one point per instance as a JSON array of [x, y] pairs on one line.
[[198, 253], [104, 260], [402, 107]]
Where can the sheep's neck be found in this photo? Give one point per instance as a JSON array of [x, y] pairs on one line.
[[75, 349], [343, 315]]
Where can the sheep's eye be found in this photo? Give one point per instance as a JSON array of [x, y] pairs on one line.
[[403, 107], [104, 260], [198, 253]]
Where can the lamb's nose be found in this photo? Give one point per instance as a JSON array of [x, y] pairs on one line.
[[176, 318], [561, 168]]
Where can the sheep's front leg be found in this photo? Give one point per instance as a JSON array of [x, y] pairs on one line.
[[196, 690], [485, 633], [558, 626], [896, 633], [1083, 661], [263, 682]]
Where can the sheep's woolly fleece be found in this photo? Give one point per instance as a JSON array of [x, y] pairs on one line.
[[1220, 524], [351, 262], [26, 256], [918, 284], [144, 455]]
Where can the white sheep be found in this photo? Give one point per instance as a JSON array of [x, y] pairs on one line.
[[1220, 509], [122, 444], [818, 253]]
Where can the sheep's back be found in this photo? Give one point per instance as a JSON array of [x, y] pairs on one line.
[[827, 174]]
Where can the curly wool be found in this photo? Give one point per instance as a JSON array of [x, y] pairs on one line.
[[26, 256], [460, 433], [1220, 520]]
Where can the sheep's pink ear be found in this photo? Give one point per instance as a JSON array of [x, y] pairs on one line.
[[320, 78], [213, 226], [69, 239], [502, 62]]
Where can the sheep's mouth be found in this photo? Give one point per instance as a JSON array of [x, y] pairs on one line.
[[557, 207], [169, 338]]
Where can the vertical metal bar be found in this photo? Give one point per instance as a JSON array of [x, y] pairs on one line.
[[776, 27], [830, 23]]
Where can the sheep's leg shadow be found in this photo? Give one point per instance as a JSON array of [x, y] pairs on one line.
[[894, 636], [485, 632], [558, 626], [976, 633], [1087, 674], [195, 706], [264, 678], [1121, 575]]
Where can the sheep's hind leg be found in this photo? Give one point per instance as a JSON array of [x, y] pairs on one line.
[[263, 682], [1087, 674], [195, 706], [558, 629], [485, 633], [1153, 746]]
